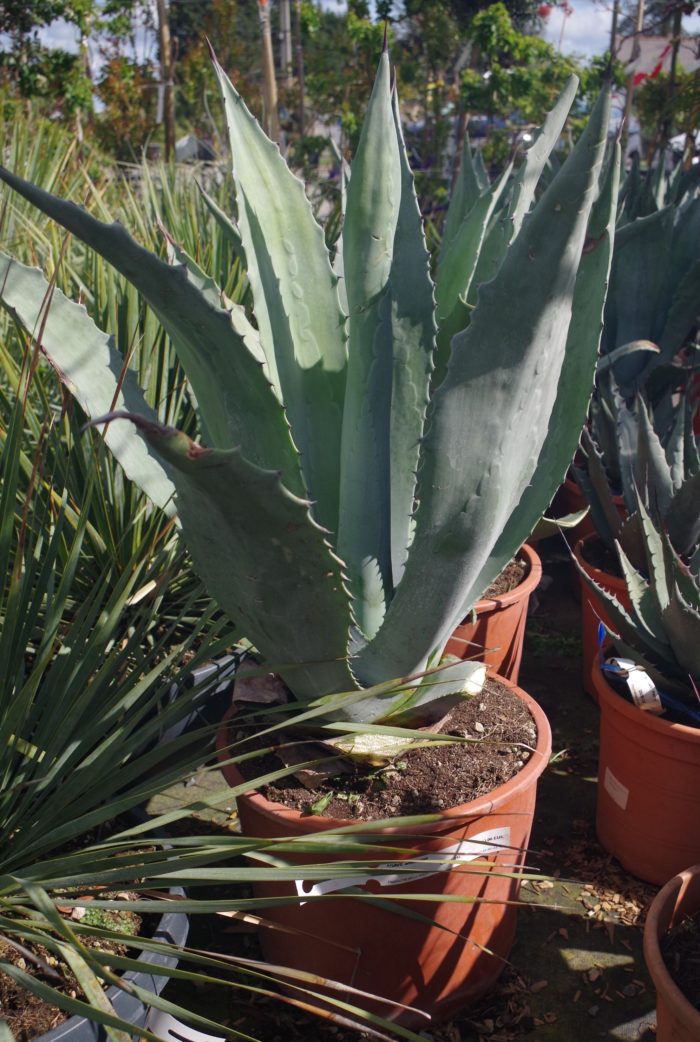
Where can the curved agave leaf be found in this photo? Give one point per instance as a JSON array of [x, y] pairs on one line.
[[682, 622], [90, 366], [457, 269], [467, 190], [263, 558], [653, 474], [409, 324], [302, 328], [236, 403], [505, 230]]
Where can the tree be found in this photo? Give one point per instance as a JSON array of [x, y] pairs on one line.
[[57, 78]]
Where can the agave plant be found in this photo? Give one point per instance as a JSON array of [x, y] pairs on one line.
[[653, 303], [665, 476], [375, 449], [84, 700], [660, 631]]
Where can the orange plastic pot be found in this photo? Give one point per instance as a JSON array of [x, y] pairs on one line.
[[593, 611], [648, 808], [496, 636], [456, 950], [677, 1020]]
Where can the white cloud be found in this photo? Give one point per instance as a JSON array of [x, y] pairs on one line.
[[60, 34], [586, 31]]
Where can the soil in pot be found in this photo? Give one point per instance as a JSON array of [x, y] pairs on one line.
[[680, 948], [29, 1016], [422, 781], [494, 632]]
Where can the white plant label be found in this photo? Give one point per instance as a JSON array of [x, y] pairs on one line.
[[639, 684], [409, 870], [643, 691], [615, 789]]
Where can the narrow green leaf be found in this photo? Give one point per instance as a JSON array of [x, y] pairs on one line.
[[89, 364], [215, 358], [226, 224]]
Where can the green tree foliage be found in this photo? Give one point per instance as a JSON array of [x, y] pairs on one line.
[[233, 28], [128, 92], [340, 54], [515, 71], [54, 77], [676, 106]]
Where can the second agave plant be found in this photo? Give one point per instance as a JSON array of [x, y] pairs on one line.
[[374, 447]]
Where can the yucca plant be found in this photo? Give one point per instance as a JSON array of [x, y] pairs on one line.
[[84, 699], [365, 471]]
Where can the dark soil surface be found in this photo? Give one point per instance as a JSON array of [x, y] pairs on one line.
[[512, 575], [26, 1014], [500, 735], [680, 948]]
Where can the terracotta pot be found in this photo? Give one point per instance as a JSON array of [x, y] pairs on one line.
[[496, 637], [458, 951], [648, 811], [676, 1019], [593, 611]]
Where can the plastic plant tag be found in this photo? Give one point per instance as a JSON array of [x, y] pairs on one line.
[[641, 687], [615, 789], [410, 870], [168, 1027]]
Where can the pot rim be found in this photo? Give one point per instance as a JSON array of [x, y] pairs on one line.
[[519, 592], [570, 483], [474, 809], [616, 582], [658, 920], [614, 702]]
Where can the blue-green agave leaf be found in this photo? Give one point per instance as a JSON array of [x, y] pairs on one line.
[[89, 364], [373, 203], [302, 328], [487, 464], [237, 406], [263, 558]]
